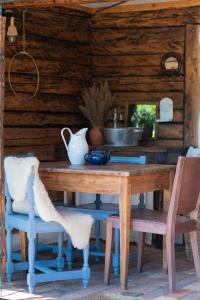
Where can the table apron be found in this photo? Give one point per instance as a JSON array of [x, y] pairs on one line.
[[87, 183], [150, 182]]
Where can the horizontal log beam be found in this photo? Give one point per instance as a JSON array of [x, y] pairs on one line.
[[121, 98], [41, 103], [49, 3], [39, 119], [43, 152], [130, 20], [170, 131]]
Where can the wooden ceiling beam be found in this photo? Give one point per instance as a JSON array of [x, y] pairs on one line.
[[49, 3], [146, 5], [114, 7], [32, 3]]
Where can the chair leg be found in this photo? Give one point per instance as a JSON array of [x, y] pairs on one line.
[[170, 240], [97, 241], [60, 259], [9, 263], [195, 251], [36, 248], [31, 259], [141, 237], [115, 257], [86, 269], [69, 254], [109, 250]]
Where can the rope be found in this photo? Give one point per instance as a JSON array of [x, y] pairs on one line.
[[25, 53]]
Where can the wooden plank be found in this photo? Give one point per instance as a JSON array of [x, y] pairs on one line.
[[42, 102], [165, 143], [55, 85], [161, 18], [31, 136], [116, 71], [121, 61], [42, 119], [129, 6], [19, 136], [75, 29], [23, 65], [192, 87], [2, 199], [80, 182], [125, 219], [49, 3], [140, 186], [31, 3], [145, 84], [170, 131], [153, 5], [128, 47], [23, 245], [43, 152], [34, 125], [138, 41], [101, 61], [148, 97], [139, 35], [41, 48]]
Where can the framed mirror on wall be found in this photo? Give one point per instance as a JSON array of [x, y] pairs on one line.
[[171, 63]]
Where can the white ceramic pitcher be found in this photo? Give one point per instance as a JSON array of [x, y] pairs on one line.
[[77, 146]]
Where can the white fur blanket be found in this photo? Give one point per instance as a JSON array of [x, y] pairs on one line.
[[18, 170]]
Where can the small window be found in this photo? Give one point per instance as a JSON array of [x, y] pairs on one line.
[[143, 115]]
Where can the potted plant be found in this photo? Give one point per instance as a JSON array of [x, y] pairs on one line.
[[96, 103], [144, 119]]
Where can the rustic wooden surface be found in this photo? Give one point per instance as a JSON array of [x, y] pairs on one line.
[[2, 201], [111, 6], [192, 88], [121, 179], [125, 48], [62, 52], [128, 53], [151, 284]]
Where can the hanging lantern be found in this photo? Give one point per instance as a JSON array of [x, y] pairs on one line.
[[12, 31]]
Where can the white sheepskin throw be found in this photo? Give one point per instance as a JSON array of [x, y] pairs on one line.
[[18, 170]]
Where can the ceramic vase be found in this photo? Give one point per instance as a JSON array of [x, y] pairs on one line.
[[96, 136]]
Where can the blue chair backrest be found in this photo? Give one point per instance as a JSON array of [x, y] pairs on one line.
[[129, 159]]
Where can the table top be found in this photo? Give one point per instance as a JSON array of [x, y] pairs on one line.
[[111, 169]]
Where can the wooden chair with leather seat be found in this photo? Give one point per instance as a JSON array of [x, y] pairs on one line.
[[185, 199]]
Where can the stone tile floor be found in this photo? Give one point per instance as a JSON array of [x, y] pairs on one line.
[[148, 285]]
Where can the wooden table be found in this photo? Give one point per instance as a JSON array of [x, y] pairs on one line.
[[121, 179]]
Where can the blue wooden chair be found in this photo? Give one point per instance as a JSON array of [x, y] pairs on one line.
[[33, 225], [100, 212]]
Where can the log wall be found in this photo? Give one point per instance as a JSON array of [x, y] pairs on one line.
[[59, 40], [72, 48], [127, 49]]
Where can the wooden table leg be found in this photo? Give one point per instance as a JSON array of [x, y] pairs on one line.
[[166, 201], [23, 245], [125, 215]]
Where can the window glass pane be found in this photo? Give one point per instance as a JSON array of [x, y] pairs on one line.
[[143, 115]]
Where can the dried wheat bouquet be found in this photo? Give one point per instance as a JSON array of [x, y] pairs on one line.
[[97, 101]]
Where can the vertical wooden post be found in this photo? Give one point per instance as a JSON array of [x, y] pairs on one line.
[[167, 198], [192, 84], [2, 202], [125, 221]]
